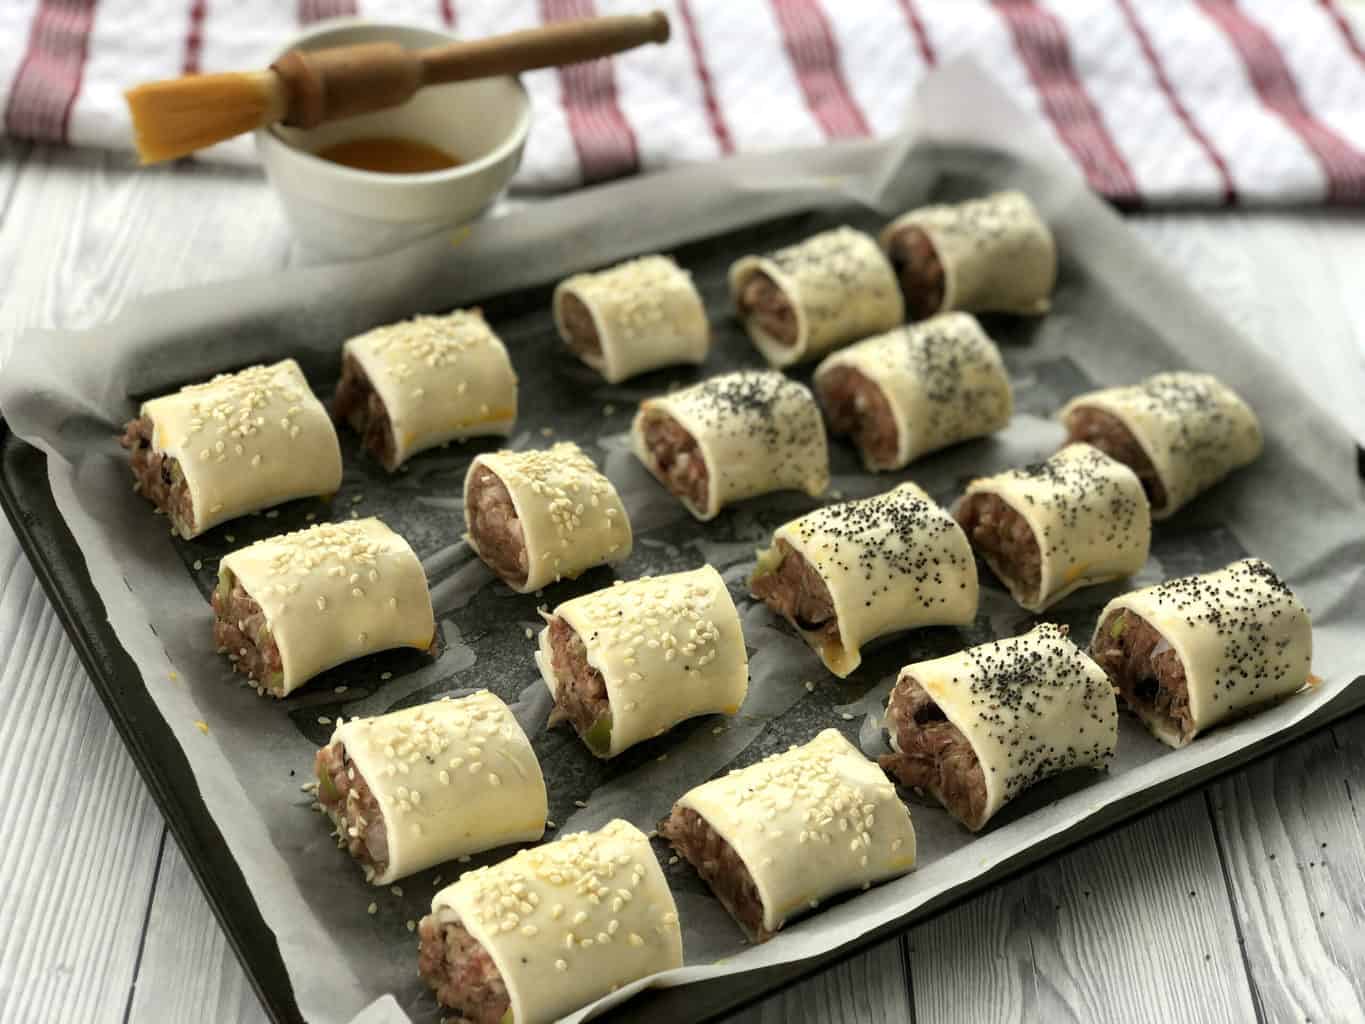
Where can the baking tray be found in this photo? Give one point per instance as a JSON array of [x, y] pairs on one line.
[[554, 386], [135, 608], [60, 568]]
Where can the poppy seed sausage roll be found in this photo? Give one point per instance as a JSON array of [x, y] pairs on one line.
[[1180, 433], [551, 929], [1191, 652], [632, 318], [988, 255], [411, 386], [289, 607], [733, 437], [236, 444], [631, 661], [916, 389], [977, 728], [1078, 519], [429, 784], [799, 302], [536, 517], [776, 838], [846, 574]]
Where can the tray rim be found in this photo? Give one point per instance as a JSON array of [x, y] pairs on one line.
[[41, 531]]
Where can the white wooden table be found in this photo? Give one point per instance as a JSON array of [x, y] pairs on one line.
[[1245, 901]]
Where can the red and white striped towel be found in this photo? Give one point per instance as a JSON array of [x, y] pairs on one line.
[[1158, 101]]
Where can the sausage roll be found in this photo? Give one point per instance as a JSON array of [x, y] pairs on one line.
[[977, 728], [1191, 652], [429, 784], [411, 386], [236, 444], [544, 515], [775, 839], [1078, 519], [989, 255], [1179, 432], [916, 389], [631, 661], [801, 301], [733, 437], [632, 318], [846, 574], [550, 929], [289, 607]]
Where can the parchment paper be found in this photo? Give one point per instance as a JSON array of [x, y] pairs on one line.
[[1118, 315]]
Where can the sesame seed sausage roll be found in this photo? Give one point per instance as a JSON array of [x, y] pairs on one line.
[[1180, 433], [989, 255], [977, 728], [846, 574], [631, 661], [410, 386], [429, 784], [540, 516], [550, 929], [632, 318], [1078, 519], [799, 302], [733, 437], [289, 607], [237, 444], [916, 389], [1191, 652], [776, 838]]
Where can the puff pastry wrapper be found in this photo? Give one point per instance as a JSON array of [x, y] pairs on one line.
[[840, 287], [246, 441], [646, 313], [334, 592], [668, 648], [569, 921], [452, 777]]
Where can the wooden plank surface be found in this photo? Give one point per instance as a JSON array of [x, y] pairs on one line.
[[74, 885], [1135, 926], [80, 236], [1291, 832]]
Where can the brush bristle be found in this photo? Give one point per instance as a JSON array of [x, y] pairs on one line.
[[176, 117]]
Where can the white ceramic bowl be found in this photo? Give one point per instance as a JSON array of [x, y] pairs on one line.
[[344, 213]]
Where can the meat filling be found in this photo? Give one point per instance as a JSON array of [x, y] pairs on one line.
[[763, 302], [1108, 434], [677, 458], [857, 406], [919, 271], [1004, 538], [357, 403], [241, 632], [798, 593], [158, 476], [461, 972], [719, 866], [934, 756], [579, 326], [348, 801], [1148, 673], [491, 518], [581, 695]]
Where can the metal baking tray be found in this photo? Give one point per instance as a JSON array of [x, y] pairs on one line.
[[563, 400]]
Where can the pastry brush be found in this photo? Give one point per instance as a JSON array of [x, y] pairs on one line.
[[305, 88]]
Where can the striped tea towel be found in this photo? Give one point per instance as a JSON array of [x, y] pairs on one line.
[[1158, 101]]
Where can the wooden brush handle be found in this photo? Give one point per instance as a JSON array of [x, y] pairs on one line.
[[323, 85], [566, 42]]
